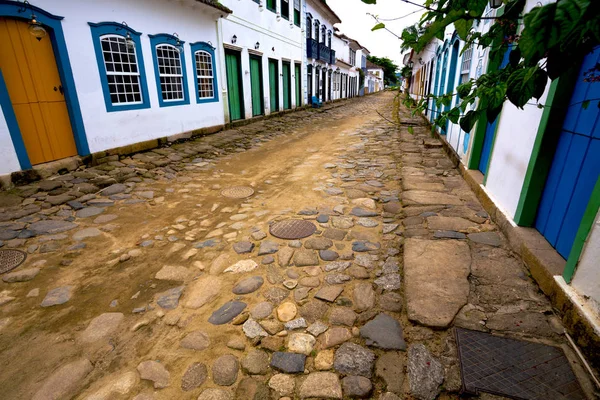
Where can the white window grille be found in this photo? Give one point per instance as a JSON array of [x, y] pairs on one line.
[[466, 61], [122, 72], [204, 75], [170, 72]]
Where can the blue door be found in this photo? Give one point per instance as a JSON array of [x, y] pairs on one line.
[[490, 129], [576, 165]]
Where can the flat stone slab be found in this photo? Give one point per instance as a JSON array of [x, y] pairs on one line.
[[101, 327], [290, 363], [425, 198], [87, 233], [383, 332], [489, 238], [169, 299], [51, 227], [57, 296], [65, 382], [329, 293], [449, 223], [436, 285], [227, 312], [202, 291]]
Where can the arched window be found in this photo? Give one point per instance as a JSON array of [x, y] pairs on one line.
[[309, 29], [205, 72], [169, 68], [121, 66], [323, 34], [317, 25]]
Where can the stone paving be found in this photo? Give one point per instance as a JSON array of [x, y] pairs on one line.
[[143, 282]]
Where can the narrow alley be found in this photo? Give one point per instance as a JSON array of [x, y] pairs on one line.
[[327, 253]]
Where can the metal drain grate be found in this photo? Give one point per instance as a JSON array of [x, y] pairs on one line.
[[515, 368], [292, 229], [11, 259], [238, 192]]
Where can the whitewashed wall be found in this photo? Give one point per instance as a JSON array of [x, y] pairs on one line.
[[515, 136], [10, 162], [105, 130], [279, 39], [587, 275]]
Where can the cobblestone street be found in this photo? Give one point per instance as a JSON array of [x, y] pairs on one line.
[[143, 281]]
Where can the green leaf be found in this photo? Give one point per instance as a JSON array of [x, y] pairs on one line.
[[468, 121], [380, 25], [464, 89], [585, 104], [521, 86], [411, 130], [463, 27], [454, 115]]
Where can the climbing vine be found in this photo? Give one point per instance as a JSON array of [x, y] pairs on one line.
[[542, 44]]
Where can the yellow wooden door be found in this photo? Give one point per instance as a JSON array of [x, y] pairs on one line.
[[36, 92]]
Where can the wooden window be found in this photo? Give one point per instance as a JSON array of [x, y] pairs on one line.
[[297, 12], [204, 75], [170, 72], [285, 9], [272, 5]]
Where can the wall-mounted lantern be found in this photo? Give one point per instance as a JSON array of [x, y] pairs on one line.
[[129, 42], [257, 46], [234, 39], [35, 28], [178, 44]]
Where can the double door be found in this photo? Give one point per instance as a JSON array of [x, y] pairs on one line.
[[29, 69]]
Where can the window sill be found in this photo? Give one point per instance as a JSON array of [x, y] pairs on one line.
[[163, 103], [126, 107]]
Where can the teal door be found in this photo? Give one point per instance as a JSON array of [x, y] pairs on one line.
[[234, 84], [274, 85], [287, 93], [298, 85], [256, 84]]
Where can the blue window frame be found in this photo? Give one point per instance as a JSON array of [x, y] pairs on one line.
[[169, 70], [205, 72], [121, 66]]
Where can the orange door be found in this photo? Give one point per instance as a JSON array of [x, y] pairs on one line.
[[36, 92]]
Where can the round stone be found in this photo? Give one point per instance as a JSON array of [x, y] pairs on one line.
[[225, 370], [286, 312], [262, 310], [248, 285]]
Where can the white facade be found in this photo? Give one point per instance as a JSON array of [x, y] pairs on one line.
[[191, 20], [278, 39], [320, 55]]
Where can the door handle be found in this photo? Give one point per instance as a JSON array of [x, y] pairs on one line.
[[60, 89]]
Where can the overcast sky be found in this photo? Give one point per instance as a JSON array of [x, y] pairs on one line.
[[357, 24]]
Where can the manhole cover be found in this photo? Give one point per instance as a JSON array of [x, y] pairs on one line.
[[514, 368], [292, 229], [11, 259], [238, 192]]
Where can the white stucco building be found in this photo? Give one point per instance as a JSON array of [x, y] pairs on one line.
[[107, 74], [263, 49]]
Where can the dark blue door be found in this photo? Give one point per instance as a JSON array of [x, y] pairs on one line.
[[576, 165], [490, 130]]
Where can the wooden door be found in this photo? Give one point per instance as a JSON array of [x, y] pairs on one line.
[[274, 85], [287, 98], [576, 164], [36, 93], [234, 87], [297, 73], [257, 85]]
